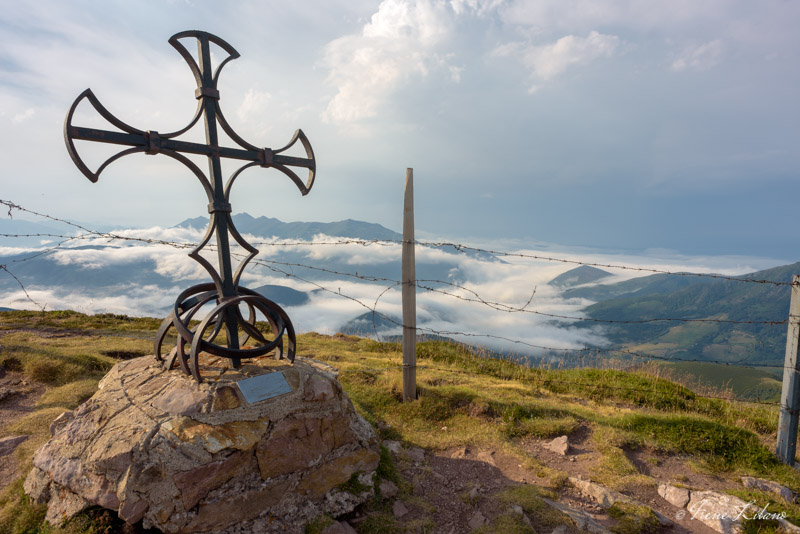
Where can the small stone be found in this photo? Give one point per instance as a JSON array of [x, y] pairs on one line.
[[517, 509], [395, 447], [473, 493], [675, 496], [477, 521], [561, 529], [571, 458], [560, 445], [7, 445], [388, 489], [399, 509]]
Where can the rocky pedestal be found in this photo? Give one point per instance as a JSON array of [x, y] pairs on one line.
[[184, 457]]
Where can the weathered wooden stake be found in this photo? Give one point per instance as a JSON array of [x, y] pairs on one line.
[[409, 295], [790, 394]]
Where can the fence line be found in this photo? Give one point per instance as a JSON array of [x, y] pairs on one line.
[[459, 247], [476, 297]]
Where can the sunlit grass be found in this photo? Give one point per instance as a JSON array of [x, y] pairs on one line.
[[464, 399]]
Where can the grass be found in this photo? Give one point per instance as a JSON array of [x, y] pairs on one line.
[[633, 519], [465, 399]]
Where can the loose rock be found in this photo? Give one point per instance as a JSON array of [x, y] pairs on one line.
[[388, 489], [399, 509], [560, 445], [477, 520], [675, 496]]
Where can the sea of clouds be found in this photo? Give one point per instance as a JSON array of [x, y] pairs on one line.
[[335, 299]]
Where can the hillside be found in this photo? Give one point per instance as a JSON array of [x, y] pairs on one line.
[[472, 454], [687, 297]]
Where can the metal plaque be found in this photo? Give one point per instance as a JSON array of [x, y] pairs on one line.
[[263, 387]]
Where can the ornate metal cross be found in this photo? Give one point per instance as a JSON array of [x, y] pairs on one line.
[[224, 293]]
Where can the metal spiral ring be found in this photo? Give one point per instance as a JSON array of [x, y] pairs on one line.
[[201, 337]]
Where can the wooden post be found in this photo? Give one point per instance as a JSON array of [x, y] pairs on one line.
[[409, 295], [790, 394]]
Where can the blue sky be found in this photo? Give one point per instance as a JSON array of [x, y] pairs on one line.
[[620, 125]]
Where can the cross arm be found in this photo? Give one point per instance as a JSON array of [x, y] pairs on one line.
[[152, 143]]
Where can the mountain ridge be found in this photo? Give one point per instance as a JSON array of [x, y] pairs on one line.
[[271, 227]]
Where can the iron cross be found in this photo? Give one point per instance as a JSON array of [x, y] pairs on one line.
[[224, 294]]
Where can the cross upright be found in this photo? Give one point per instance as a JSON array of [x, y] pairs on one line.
[[224, 293]]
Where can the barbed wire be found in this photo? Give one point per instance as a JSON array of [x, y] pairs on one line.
[[271, 264], [459, 247], [543, 348], [419, 283]]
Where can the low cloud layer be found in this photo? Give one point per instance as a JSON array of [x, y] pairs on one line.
[[335, 299]]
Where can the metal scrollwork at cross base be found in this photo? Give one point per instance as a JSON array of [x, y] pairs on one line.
[[225, 294]]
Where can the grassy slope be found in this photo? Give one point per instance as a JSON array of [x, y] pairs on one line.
[[482, 402]]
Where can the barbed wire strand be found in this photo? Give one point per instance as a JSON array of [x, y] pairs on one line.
[[459, 247], [499, 306]]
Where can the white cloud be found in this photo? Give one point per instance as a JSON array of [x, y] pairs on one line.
[[545, 62], [22, 117], [510, 282], [254, 106], [701, 57], [455, 73], [399, 43]]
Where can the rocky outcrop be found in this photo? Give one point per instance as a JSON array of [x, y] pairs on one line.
[[184, 457]]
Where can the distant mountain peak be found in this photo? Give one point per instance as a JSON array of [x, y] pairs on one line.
[[579, 276], [270, 227]]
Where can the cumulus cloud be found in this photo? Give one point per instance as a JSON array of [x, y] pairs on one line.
[[254, 106], [545, 62], [399, 42]]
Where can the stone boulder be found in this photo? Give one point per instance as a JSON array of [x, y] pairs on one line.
[[157, 447]]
